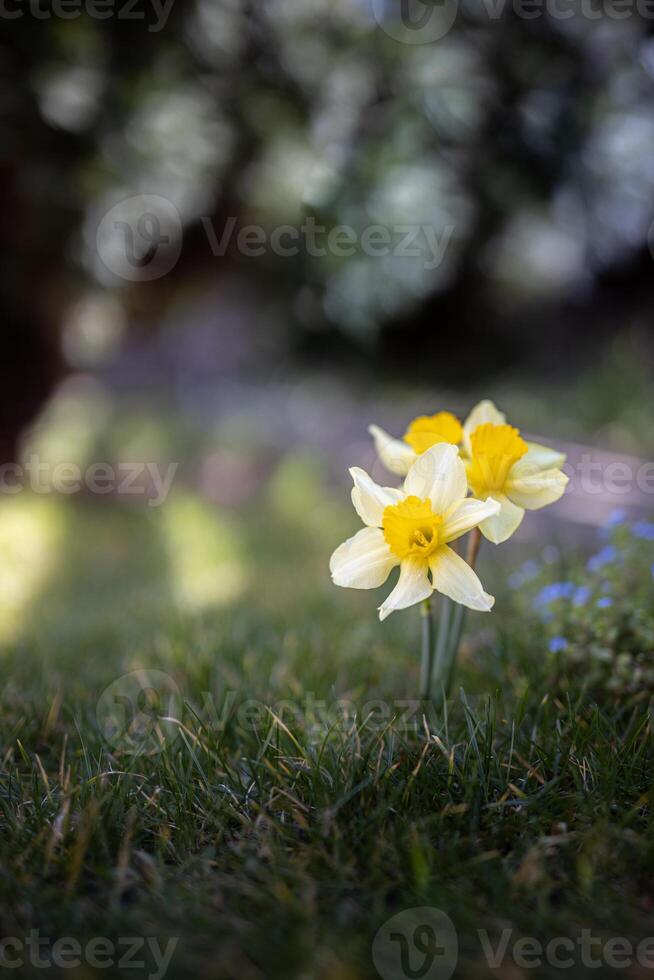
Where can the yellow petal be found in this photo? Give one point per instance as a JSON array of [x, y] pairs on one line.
[[429, 430], [484, 411]]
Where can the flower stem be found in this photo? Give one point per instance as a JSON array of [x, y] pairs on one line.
[[458, 623], [473, 547], [450, 632], [440, 652], [426, 663]]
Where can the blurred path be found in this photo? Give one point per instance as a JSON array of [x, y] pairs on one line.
[[208, 377], [324, 420]]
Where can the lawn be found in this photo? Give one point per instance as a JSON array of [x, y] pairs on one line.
[[301, 797]]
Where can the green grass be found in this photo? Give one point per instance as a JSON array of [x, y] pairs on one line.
[[274, 839]]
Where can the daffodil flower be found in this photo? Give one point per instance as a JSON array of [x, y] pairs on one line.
[[398, 455], [500, 463], [520, 475], [413, 528]]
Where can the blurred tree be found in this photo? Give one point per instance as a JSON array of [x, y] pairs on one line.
[[520, 145]]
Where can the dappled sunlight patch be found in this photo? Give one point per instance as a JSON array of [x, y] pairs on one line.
[[70, 426], [208, 566], [31, 535], [297, 496]]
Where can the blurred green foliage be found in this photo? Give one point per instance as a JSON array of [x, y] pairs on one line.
[[527, 137]]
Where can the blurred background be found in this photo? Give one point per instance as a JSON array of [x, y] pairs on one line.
[[237, 233]]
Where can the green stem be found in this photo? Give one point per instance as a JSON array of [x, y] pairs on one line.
[[437, 679], [426, 663], [458, 623], [450, 633]]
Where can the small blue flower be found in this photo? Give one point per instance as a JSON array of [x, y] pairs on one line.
[[581, 596], [643, 530], [604, 557], [554, 592], [604, 602], [558, 644]]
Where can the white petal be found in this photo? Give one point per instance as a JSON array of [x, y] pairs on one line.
[[536, 490], [500, 527], [484, 411], [454, 578], [363, 561], [369, 499], [439, 475], [465, 515], [395, 454], [413, 586], [539, 458]]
